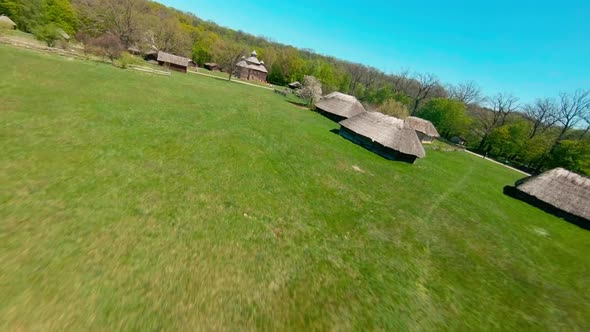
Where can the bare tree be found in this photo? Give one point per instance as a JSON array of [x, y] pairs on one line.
[[572, 109], [500, 106], [370, 77], [227, 54], [119, 17], [542, 114], [586, 118], [424, 84], [109, 45], [401, 81], [467, 93], [357, 72], [165, 34], [84, 39], [122, 16]]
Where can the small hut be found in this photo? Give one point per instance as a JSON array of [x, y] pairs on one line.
[[211, 66], [295, 85], [151, 56], [559, 192], [173, 62], [385, 135], [251, 68], [64, 35], [424, 128], [6, 21], [339, 106]]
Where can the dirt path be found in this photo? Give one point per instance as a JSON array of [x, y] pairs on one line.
[[225, 79], [491, 160]]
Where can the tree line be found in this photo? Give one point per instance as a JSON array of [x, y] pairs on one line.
[[546, 133]]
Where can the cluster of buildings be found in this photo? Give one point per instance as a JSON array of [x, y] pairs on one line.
[[558, 191], [248, 68], [390, 137]]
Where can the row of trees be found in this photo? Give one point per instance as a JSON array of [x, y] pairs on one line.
[[536, 136], [539, 135]]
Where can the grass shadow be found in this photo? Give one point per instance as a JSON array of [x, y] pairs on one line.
[[298, 104], [531, 200]]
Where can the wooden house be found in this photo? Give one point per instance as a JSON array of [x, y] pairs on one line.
[[559, 192], [339, 106], [211, 66], [385, 135], [424, 128], [173, 62], [251, 68]]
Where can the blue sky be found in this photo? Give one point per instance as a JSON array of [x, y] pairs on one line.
[[528, 48]]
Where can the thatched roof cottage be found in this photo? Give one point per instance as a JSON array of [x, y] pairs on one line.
[[251, 68], [211, 66], [424, 128], [6, 21], [339, 106], [64, 35], [385, 135], [558, 191], [173, 62]]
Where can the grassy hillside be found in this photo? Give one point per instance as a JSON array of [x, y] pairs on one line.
[[139, 202]]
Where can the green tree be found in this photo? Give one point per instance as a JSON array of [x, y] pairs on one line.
[[202, 48], [536, 149], [571, 154], [27, 14], [62, 14], [448, 116], [227, 54], [508, 141], [47, 33]]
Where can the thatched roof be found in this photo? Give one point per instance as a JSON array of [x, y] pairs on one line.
[[560, 188], [386, 130], [134, 50], [340, 104], [173, 59], [6, 20], [423, 126], [252, 63], [63, 34]]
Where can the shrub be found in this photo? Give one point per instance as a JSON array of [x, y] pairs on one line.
[[86, 41], [127, 59], [394, 108], [47, 33], [60, 43], [109, 45]]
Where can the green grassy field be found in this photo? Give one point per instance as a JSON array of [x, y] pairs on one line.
[[140, 202]]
